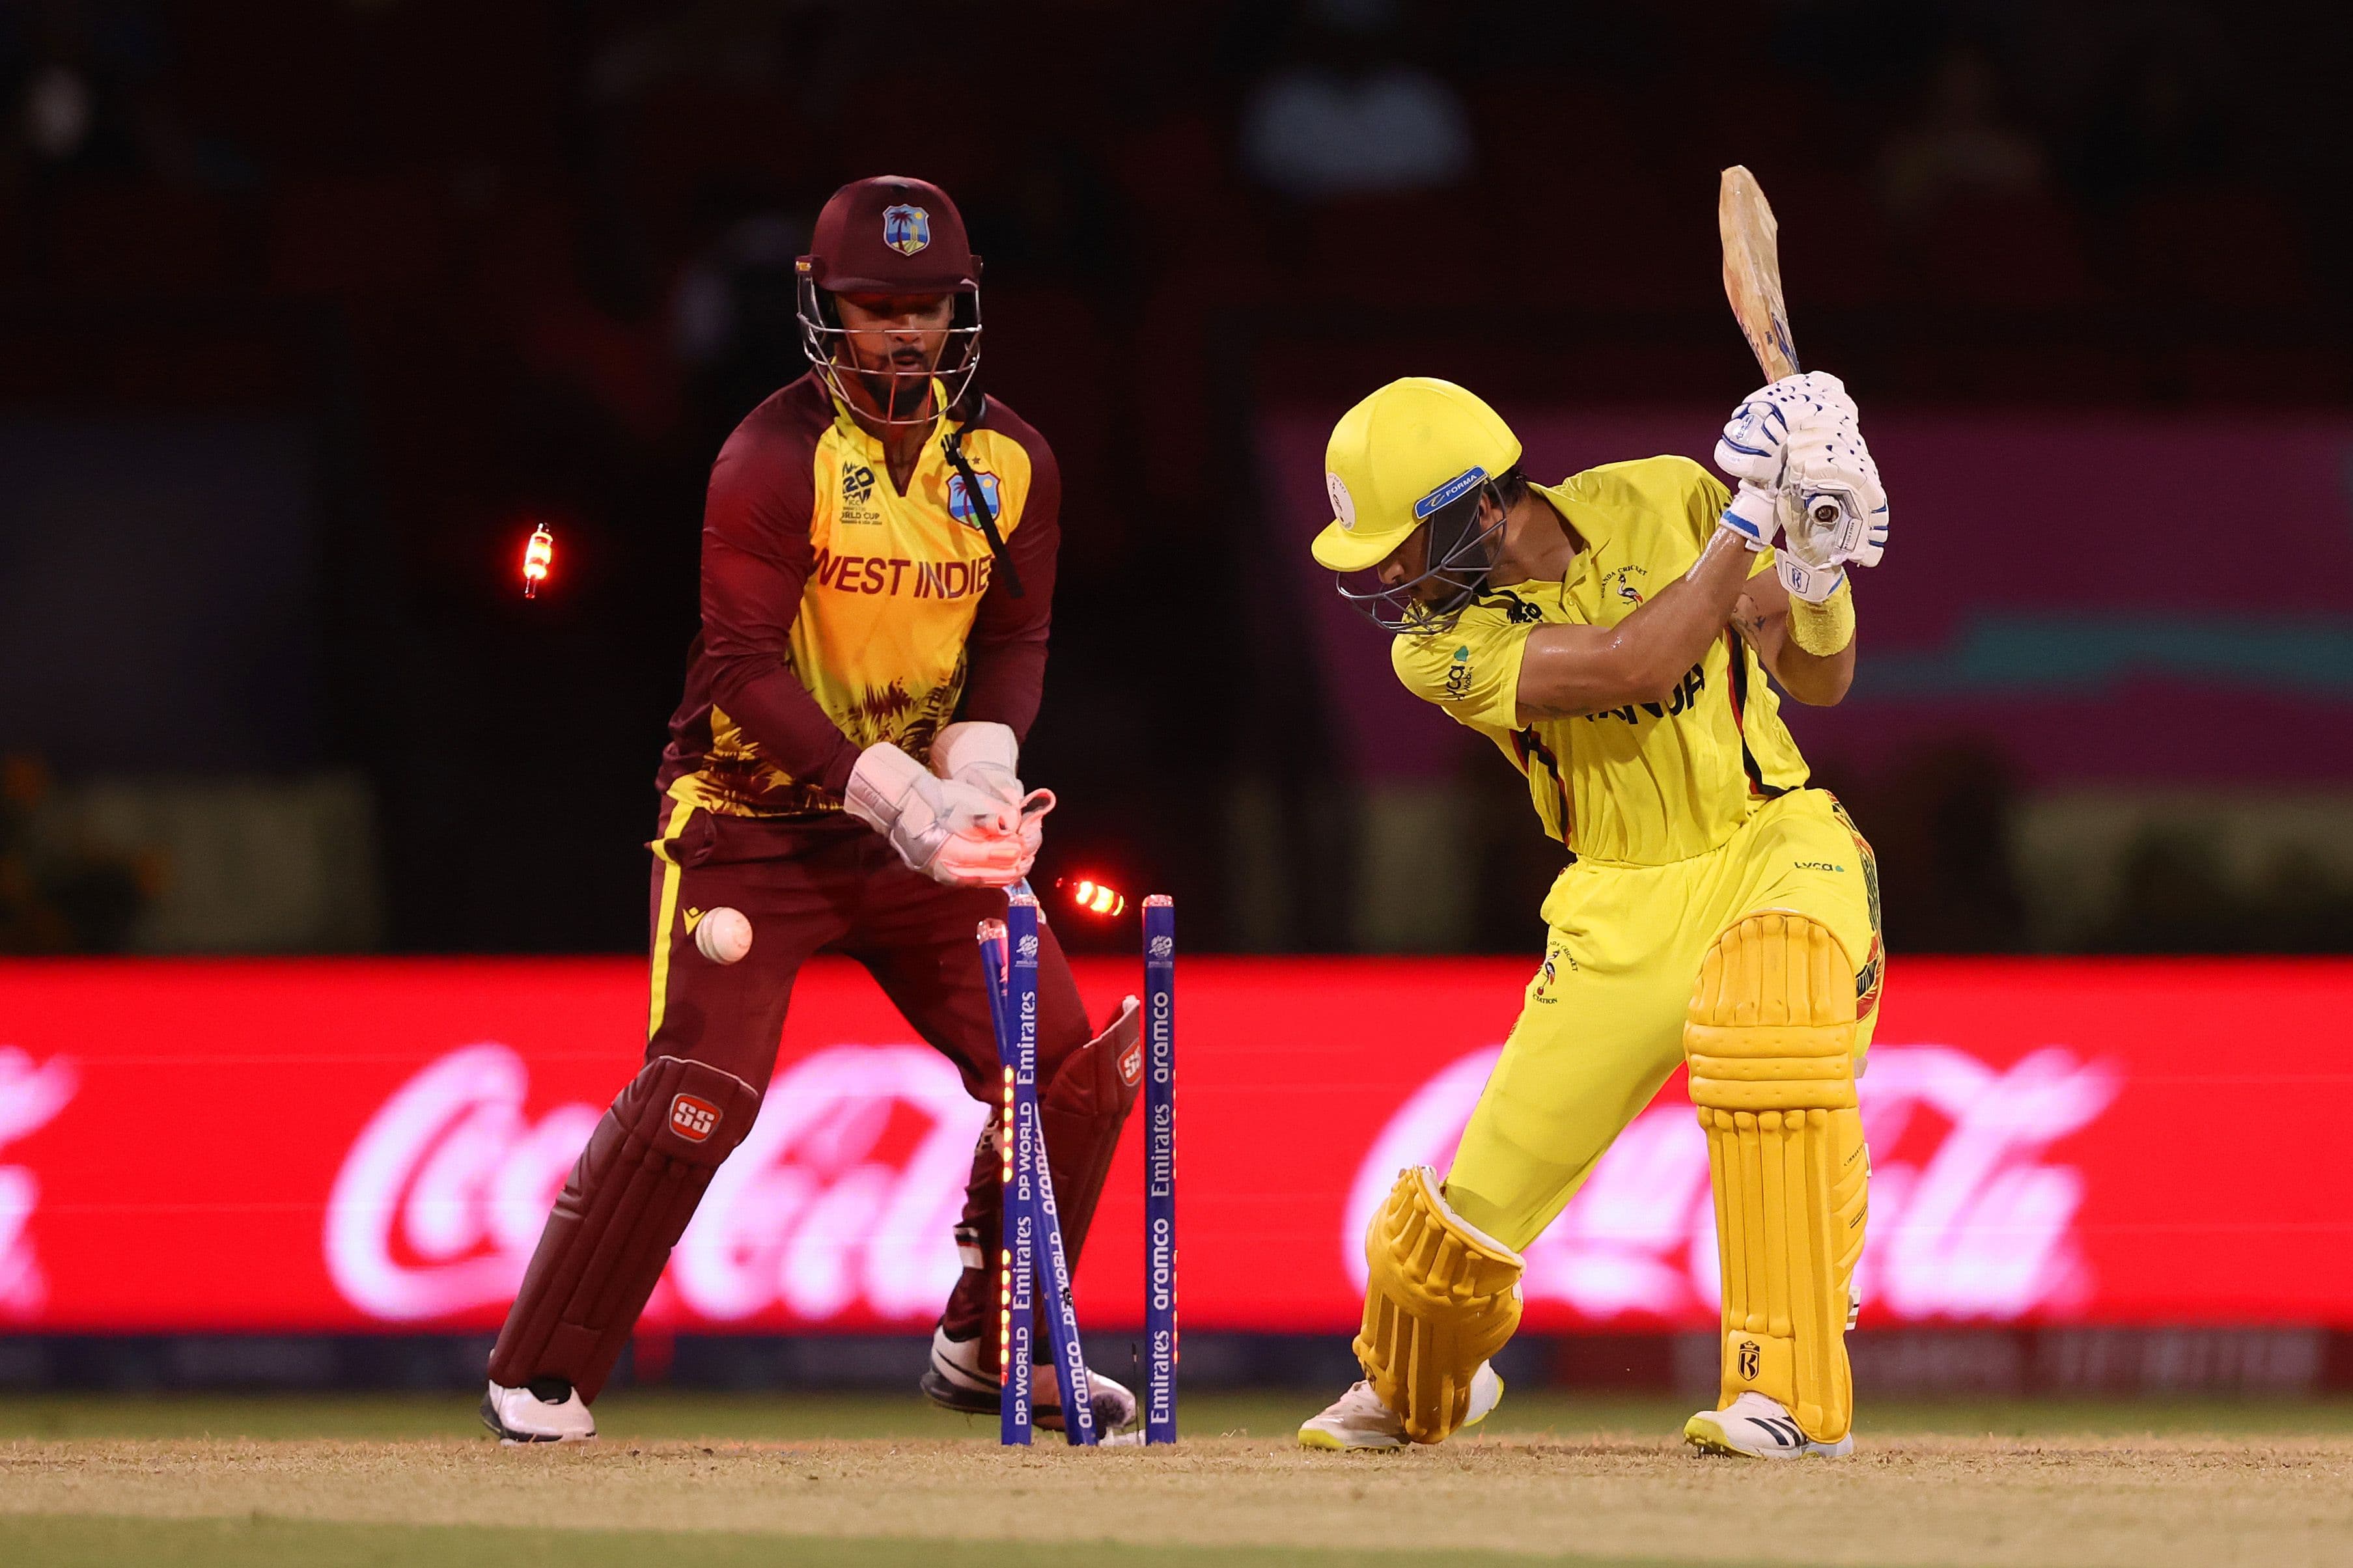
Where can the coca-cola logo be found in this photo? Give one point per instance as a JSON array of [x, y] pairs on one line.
[[30, 1098], [844, 1193], [1969, 1217]]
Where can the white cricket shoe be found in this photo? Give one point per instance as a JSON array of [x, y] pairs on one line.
[[955, 1381], [1756, 1427], [1361, 1419], [545, 1410]]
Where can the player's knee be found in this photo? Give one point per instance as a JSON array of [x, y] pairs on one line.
[[688, 1110], [1099, 1080], [1771, 1023], [1480, 1213]]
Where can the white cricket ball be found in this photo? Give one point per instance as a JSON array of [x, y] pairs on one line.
[[722, 935]]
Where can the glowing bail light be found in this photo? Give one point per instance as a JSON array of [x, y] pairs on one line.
[[537, 556], [1097, 898]]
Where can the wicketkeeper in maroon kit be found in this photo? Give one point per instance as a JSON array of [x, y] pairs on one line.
[[878, 576]]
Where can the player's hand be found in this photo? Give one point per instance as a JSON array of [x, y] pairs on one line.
[[1755, 449], [1834, 509], [1032, 831], [983, 755], [986, 756], [1755, 442], [1811, 583], [949, 830]]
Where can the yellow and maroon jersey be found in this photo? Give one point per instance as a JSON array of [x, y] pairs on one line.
[[1651, 782], [838, 612]]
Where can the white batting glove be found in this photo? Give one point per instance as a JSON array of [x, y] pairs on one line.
[[1834, 509], [1811, 583], [1755, 437], [949, 830], [1754, 449]]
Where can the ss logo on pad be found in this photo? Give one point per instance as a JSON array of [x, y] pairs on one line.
[[693, 1118]]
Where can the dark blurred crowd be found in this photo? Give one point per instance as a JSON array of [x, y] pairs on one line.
[[530, 261]]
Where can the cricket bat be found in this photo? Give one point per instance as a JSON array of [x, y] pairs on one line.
[[1752, 271], [1752, 281]]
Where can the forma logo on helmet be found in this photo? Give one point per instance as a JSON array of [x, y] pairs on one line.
[[889, 299]]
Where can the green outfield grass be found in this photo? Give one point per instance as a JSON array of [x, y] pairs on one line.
[[778, 1417]]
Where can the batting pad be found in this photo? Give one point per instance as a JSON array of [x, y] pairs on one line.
[[1769, 1039], [623, 1207], [1082, 1111], [1441, 1297]]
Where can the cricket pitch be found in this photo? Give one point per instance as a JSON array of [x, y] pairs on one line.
[[2279, 1498]]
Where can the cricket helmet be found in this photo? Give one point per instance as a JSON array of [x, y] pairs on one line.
[[890, 235], [1419, 452]]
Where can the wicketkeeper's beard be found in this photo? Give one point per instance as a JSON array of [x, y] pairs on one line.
[[899, 392]]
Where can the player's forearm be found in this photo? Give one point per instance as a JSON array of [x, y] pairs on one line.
[[1817, 675], [1006, 685], [1817, 680], [1569, 671], [777, 713]]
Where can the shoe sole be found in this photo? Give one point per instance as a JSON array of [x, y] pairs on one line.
[[1325, 1443], [1709, 1438]]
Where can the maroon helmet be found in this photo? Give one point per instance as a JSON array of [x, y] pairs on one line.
[[890, 235]]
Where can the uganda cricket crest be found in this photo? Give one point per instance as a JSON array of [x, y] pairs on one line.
[[906, 229]]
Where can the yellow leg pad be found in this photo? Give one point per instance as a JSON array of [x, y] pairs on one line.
[[1441, 1297], [1770, 1039]]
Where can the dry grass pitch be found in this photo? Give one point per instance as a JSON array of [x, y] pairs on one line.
[[1580, 1482]]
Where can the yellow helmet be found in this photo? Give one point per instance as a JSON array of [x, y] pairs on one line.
[[1398, 457]]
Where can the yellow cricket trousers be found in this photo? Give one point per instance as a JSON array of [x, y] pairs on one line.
[[1602, 1025]]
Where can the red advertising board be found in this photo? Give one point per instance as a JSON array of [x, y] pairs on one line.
[[347, 1145]]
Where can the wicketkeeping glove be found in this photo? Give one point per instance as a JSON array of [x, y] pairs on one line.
[[949, 830], [987, 757]]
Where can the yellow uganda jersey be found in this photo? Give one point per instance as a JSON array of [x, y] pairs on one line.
[[1653, 782], [824, 583]]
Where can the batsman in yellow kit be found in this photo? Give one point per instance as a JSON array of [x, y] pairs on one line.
[[1614, 635]]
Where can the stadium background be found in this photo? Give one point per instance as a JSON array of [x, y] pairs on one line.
[[308, 312]]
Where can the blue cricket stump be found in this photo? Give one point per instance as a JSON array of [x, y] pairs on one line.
[[1017, 1222], [1031, 1221], [1031, 1233], [1159, 1169]]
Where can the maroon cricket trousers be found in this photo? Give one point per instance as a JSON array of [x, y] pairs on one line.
[[825, 884]]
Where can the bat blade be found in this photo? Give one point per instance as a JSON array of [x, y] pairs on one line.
[[1752, 271]]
